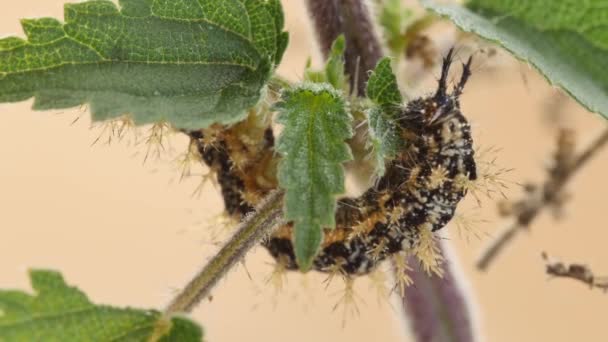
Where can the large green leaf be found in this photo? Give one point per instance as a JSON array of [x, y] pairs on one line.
[[567, 40], [313, 148], [384, 136], [189, 62], [58, 312]]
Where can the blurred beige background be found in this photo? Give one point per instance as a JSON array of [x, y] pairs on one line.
[[129, 233]]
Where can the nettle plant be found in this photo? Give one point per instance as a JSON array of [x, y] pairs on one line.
[[206, 68]]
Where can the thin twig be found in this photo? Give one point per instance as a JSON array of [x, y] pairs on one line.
[[578, 272], [253, 228], [505, 236], [550, 194], [590, 151]]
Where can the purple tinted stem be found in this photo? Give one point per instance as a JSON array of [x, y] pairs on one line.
[[351, 18], [438, 309]]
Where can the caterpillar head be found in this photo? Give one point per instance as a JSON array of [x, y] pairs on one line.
[[424, 114]]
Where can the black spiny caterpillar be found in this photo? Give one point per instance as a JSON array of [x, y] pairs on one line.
[[419, 192]]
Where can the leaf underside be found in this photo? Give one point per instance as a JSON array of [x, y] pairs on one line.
[[384, 136], [58, 312], [566, 40], [189, 62], [313, 148]]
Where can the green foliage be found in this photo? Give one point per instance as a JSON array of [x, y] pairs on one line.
[[188, 62], [383, 90], [334, 68], [394, 18], [382, 87], [333, 73], [313, 148], [566, 40], [58, 312]]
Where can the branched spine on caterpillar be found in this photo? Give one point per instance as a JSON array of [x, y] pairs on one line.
[[417, 195]]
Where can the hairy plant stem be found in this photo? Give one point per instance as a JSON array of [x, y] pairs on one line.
[[535, 205], [351, 18], [254, 227]]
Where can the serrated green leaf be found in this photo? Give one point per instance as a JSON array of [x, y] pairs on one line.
[[382, 87], [313, 148], [384, 136], [566, 40], [333, 72], [189, 62], [58, 312]]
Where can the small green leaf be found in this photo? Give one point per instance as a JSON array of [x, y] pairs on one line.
[[314, 76], [383, 90], [566, 40], [382, 87], [333, 73], [189, 62], [334, 69], [313, 148], [58, 312]]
